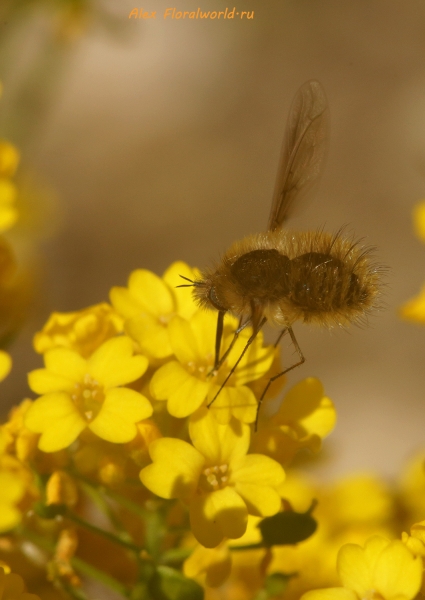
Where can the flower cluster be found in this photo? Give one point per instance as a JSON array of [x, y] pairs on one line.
[[126, 399]]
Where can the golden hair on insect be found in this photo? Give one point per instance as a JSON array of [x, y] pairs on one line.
[[283, 276]]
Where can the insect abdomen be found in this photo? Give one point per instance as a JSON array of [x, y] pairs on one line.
[[324, 285]]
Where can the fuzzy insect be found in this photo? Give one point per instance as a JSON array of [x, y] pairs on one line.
[[283, 276]]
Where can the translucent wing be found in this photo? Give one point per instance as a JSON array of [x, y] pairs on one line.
[[303, 149]]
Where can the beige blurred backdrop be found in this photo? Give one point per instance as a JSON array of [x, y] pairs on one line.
[[161, 138]]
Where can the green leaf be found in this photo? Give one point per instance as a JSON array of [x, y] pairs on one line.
[[288, 527], [274, 585], [49, 511], [169, 584]]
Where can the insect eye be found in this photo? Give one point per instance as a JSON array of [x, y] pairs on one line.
[[212, 296]]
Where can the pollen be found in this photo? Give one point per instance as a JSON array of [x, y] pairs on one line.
[[88, 396], [215, 477]]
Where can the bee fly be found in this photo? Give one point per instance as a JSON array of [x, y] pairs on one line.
[[283, 276]]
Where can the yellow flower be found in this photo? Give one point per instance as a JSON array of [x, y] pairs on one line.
[[215, 477], [305, 416], [12, 490], [189, 382], [16, 438], [83, 393], [83, 331], [9, 159], [419, 220], [149, 303], [209, 566], [8, 212], [382, 570], [414, 309], [5, 364], [12, 587]]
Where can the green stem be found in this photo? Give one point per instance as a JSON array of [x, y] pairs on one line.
[[106, 534], [78, 563], [256, 546]]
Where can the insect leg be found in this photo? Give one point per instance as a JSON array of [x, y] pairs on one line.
[[247, 345], [232, 343], [270, 381]]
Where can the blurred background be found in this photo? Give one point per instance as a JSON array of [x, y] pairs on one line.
[[159, 140]]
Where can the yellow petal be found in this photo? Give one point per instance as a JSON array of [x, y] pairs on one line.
[[9, 159], [419, 220], [183, 341], [175, 470], [10, 517], [258, 469], [243, 403], [301, 401], [183, 297], [414, 309], [151, 336], [211, 565], [398, 572], [42, 381], [121, 409], [204, 327], [151, 292], [184, 392], [220, 444], [5, 364], [354, 570], [187, 398], [330, 594], [57, 419], [113, 363], [124, 302], [65, 362], [261, 501], [218, 515]]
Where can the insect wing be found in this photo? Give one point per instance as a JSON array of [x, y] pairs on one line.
[[303, 149]]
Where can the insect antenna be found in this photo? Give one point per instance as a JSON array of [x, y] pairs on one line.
[[191, 284], [272, 379], [247, 345]]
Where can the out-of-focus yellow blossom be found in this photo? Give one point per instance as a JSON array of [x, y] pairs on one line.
[[12, 490], [305, 416], [5, 364], [215, 477], [12, 587], [209, 566], [83, 393], [382, 570], [16, 438], [150, 302], [416, 540], [419, 220], [9, 160], [412, 488], [414, 309], [349, 511], [61, 488], [83, 331], [189, 382]]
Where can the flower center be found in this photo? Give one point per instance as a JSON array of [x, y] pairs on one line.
[[214, 478], [88, 397]]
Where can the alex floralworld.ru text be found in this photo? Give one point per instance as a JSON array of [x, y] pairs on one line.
[[173, 13]]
